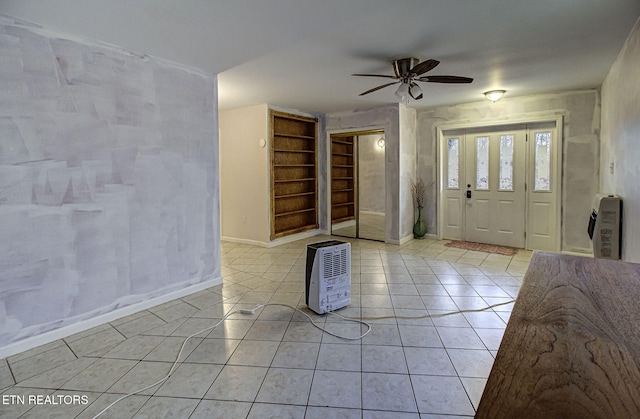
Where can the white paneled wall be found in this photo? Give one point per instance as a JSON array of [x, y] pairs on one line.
[[108, 180]]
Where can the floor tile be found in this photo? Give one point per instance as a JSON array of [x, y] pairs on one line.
[[286, 386], [100, 375], [428, 361], [237, 383], [189, 380], [386, 359], [387, 392], [208, 409], [213, 351], [296, 355], [317, 412], [167, 407], [339, 357], [256, 353], [419, 336], [336, 389], [279, 411], [443, 395], [41, 362], [471, 362]]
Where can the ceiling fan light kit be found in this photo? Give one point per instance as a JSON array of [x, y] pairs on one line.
[[494, 95], [408, 71]]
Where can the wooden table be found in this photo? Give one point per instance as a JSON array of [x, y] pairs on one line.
[[571, 348]]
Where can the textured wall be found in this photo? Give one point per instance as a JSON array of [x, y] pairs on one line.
[[620, 140], [371, 194], [108, 179], [408, 169], [581, 112]]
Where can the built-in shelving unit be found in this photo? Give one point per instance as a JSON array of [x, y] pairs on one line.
[[343, 185], [294, 174]]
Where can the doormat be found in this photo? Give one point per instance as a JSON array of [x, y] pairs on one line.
[[482, 247]]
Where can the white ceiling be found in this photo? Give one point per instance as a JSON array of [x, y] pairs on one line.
[[301, 53]]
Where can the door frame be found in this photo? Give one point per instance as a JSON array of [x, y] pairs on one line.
[[557, 119], [355, 132]]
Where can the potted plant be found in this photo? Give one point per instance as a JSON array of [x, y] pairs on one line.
[[417, 190]]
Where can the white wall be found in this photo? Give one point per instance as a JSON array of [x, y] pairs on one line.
[[108, 180], [407, 170], [581, 148], [244, 174], [621, 140]]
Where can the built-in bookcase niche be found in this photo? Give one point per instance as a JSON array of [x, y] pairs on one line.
[[294, 174], [343, 184]]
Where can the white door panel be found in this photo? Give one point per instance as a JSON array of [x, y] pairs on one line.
[[494, 163]]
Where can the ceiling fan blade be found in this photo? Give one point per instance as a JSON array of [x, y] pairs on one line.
[[375, 75], [378, 88], [424, 66], [446, 79]]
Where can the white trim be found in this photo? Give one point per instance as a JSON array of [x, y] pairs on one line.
[[63, 332]]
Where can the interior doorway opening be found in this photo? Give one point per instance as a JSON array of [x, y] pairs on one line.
[[357, 185]]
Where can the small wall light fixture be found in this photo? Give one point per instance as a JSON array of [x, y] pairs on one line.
[[494, 95], [381, 143]]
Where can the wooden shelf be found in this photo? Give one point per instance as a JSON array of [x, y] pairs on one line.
[[294, 173], [294, 195], [343, 170], [299, 137], [286, 214], [308, 179], [334, 141], [279, 150]]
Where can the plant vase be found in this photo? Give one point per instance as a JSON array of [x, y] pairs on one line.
[[420, 227]]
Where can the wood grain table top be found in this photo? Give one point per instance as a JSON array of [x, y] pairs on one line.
[[571, 348]]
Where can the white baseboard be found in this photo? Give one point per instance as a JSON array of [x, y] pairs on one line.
[[82, 325], [244, 241]]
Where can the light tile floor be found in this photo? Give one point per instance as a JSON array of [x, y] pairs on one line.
[[275, 363]]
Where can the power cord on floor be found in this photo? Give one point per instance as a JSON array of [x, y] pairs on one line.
[[253, 311], [245, 312], [430, 316]]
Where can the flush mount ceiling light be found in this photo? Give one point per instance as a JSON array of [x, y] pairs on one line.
[[494, 95]]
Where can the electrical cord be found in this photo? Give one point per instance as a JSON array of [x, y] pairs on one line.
[[360, 320], [245, 312], [430, 316]]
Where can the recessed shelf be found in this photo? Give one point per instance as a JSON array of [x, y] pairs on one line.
[[294, 170]]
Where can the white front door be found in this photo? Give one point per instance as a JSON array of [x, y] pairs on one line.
[[495, 187], [500, 185]]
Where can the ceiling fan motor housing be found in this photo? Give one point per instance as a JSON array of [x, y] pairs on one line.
[[403, 66]]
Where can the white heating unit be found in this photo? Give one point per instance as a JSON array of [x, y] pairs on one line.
[[328, 276], [605, 226]]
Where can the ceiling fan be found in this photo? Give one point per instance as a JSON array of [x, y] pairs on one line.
[[408, 71]]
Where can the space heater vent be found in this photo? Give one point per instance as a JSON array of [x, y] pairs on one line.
[[335, 263], [328, 276]]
